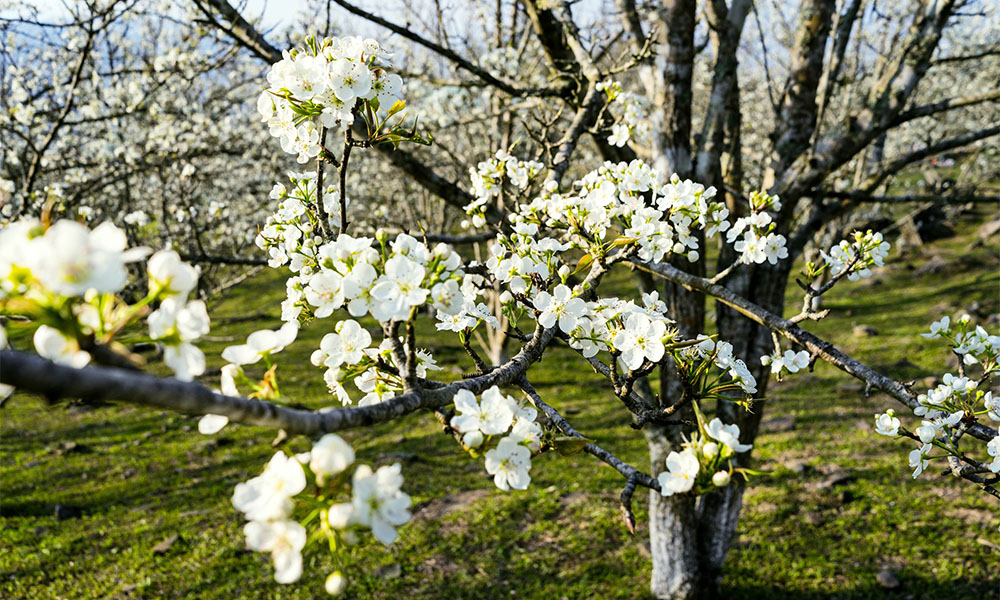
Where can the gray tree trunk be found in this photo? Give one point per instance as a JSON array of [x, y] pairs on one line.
[[672, 530]]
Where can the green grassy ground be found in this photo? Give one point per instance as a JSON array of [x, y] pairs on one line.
[[140, 477]]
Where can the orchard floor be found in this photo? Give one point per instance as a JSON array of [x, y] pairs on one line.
[[837, 507]]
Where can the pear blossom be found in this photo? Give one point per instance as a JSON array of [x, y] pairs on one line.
[[927, 431], [492, 416], [176, 325], [329, 456], [70, 258], [326, 292], [509, 464], [918, 459], [682, 470], [619, 135], [284, 539], [398, 289], [938, 327], [641, 340], [268, 496], [791, 361], [528, 432], [261, 343], [728, 435], [378, 502], [993, 449], [992, 405], [346, 345], [170, 275], [559, 306], [57, 347], [887, 424]]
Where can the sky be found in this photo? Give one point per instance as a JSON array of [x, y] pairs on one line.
[[276, 12]]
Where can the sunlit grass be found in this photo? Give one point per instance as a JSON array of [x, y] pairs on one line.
[[140, 476]]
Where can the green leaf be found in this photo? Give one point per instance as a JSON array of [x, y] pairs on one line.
[[568, 446], [585, 262]]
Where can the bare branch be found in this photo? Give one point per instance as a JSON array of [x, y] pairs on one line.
[[949, 104], [917, 155], [451, 55], [941, 199]]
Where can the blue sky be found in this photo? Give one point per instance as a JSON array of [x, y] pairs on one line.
[[276, 12]]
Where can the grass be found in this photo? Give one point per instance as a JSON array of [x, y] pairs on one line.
[[139, 477]]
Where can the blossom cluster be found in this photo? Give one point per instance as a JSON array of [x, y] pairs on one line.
[[629, 203], [387, 281], [638, 335], [958, 400], [857, 257], [790, 361], [704, 463], [498, 414], [973, 343], [67, 277], [311, 483], [759, 242], [491, 176], [347, 355], [634, 110], [319, 86], [293, 224]]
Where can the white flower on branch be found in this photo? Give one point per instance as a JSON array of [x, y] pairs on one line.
[[284, 540], [492, 416], [261, 344], [176, 325], [682, 470], [268, 496], [641, 339], [993, 449], [55, 346], [728, 435], [887, 424], [346, 345], [171, 276], [559, 306], [918, 459], [509, 464], [379, 503], [329, 456]]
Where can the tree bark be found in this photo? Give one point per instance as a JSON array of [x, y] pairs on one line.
[[672, 528]]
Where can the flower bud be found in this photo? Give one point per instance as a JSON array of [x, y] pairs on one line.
[[721, 479], [710, 449], [473, 439], [335, 583], [381, 235]]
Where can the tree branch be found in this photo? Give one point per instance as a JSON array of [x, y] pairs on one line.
[[793, 332], [460, 61]]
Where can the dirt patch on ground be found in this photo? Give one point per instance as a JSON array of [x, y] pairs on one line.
[[441, 507]]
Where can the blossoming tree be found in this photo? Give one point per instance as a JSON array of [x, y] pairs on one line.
[[333, 102]]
